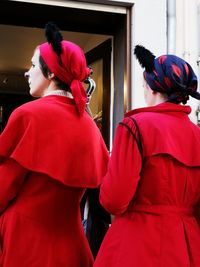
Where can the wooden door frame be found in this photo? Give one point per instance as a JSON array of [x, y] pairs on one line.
[[103, 51], [85, 21]]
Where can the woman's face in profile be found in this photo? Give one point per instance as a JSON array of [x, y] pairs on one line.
[[37, 82]]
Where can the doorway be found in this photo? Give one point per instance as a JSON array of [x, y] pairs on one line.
[[108, 27], [99, 58]]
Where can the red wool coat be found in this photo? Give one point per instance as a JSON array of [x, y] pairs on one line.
[[49, 155], [155, 204]]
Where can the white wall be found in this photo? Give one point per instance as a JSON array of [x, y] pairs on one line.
[[187, 32], [148, 29]]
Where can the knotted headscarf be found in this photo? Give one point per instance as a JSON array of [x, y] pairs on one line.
[[67, 61], [168, 74]]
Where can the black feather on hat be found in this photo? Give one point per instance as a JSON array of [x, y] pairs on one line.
[[145, 57], [54, 37]]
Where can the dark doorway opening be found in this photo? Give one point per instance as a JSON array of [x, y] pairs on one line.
[[33, 15], [103, 52]]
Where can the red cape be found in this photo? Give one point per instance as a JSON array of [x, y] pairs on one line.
[[48, 136], [167, 129]]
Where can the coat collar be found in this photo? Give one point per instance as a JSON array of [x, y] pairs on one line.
[[163, 107]]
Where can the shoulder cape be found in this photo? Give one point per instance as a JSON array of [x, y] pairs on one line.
[[167, 129], [48, 136]]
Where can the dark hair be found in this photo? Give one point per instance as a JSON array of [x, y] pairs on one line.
[[46, 71], [178, 97]]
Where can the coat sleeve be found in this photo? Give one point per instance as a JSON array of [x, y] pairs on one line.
[[120, 183], [12, 176]]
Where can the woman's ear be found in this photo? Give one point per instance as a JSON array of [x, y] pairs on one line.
[[154, 92]]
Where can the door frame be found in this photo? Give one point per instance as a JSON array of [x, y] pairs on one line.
[[103, 51], [112, 21]]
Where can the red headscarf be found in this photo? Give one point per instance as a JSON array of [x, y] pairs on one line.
[[72, 70]]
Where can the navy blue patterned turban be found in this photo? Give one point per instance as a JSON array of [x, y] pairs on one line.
[[168, 74]]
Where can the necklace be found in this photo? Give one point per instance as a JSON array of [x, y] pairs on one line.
[[59, 92]]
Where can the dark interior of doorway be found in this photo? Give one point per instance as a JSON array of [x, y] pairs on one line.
[[76, 20], [103, 51], [8, 102]]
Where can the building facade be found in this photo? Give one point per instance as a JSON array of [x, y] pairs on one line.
[[107, 30]]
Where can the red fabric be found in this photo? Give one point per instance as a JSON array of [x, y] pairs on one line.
[[170, 137], [73, 69], [49, 155], [47, 136], [156, 205], [41, 226], [79, 95]]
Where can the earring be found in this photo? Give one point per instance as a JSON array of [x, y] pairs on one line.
[[26, 74], [51, 76]]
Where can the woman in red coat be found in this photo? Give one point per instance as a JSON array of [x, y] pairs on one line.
[[50, 152], [153, 181]]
